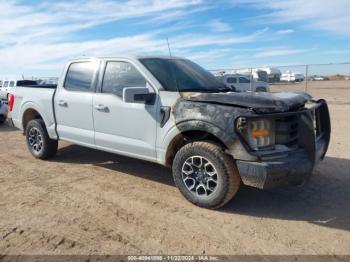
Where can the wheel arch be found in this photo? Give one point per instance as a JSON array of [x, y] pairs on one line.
[[194, 131], [28, 115], [30, 111]]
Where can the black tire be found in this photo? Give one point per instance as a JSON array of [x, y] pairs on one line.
[[261, 89], [228, 180], [2, 120], [36, 134], [233, 88]]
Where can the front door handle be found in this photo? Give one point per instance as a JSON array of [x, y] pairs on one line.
[[102, 108], [62, 103]]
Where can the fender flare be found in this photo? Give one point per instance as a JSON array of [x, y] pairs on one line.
[[200, 125], [31, 105]]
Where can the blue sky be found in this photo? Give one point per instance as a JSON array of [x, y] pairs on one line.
[[37, 37]]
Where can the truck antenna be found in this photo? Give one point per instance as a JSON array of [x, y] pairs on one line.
[[171, 68], [167, 40]]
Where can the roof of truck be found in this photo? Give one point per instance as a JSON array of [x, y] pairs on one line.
[[132, 57]]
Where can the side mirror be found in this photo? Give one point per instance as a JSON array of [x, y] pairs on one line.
[[138, 95]]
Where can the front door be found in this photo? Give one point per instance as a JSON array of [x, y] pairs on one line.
[[127, 128], [244, 84]]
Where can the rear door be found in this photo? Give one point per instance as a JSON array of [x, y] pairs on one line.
[[127, 128], [73, 103]]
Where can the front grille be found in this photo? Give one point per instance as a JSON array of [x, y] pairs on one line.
[[287, 130]]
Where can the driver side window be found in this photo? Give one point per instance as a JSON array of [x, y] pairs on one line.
[[119, 75]]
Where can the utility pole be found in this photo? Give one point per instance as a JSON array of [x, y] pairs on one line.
[[306, 77]]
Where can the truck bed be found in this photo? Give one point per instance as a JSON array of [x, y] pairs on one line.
[[39, 98]]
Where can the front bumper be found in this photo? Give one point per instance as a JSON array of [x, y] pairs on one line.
[[296, 166]]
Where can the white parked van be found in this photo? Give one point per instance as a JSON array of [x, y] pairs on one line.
[[292, 77]]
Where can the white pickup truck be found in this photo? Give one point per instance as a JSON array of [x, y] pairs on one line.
[[242, 83], [173, 112]]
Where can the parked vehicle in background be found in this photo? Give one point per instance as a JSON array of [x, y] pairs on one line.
[[48, 81], [292, 77], [7, 85], [173, 112], [3, 112], [256, 74], [319, 78], [242, 83], [273, 74]]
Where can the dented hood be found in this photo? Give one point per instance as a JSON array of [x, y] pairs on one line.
[[259, 102]]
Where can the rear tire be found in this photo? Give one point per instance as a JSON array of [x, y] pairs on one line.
[[2, 119], [38, 141], [205, 175]]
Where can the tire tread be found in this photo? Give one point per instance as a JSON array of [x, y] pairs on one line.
[[51, 145], [230, 169]]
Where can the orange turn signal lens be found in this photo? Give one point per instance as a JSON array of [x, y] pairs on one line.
[[260, 133]]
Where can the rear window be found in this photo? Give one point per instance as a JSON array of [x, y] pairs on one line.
[[26, 83], [231, 80], [79, 76]]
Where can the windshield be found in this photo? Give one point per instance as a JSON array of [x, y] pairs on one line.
[[182, 75]]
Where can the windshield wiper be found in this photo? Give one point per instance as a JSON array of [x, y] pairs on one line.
[[200, 90], [216, 90]]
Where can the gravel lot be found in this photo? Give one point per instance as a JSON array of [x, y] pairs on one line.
[[89, 202]]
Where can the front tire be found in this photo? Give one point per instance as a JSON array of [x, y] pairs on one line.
[[205, 175], [38, 141]]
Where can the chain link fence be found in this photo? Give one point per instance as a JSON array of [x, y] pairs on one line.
[[320, 80]]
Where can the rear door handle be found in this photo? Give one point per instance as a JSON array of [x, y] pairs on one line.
[[62, 103], [102, 108]]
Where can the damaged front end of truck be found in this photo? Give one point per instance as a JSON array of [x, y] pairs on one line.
[[275, 139]]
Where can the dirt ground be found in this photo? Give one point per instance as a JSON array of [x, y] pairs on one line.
[[89, 202]]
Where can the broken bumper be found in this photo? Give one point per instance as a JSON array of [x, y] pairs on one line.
[[296, 166]]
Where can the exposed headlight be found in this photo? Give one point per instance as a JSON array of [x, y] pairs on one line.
[[258, 132]]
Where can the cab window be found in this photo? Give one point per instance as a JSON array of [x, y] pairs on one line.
[[6, 84], [12, 84], [119, 75]]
